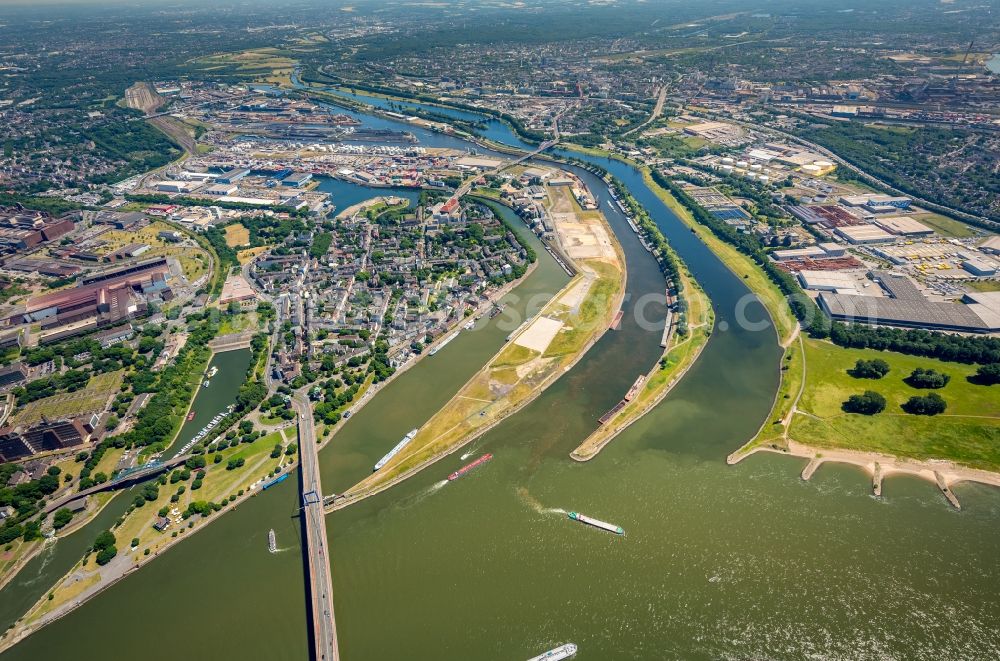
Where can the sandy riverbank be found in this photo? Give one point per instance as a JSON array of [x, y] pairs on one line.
[[945, 474]]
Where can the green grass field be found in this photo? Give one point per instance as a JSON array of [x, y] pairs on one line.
[[944, 225], [967, 433], [70, 404]]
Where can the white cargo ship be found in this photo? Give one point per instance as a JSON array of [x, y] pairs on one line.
[[561, 652], [603, 525], [393, 452], [443, 343]]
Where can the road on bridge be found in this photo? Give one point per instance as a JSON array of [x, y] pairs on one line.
[[324, 626]]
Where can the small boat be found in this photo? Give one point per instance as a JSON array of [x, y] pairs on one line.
[[561, 652], [205, 385], [190, 416], [272, 542]]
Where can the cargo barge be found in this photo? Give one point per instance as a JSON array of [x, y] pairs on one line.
[[634, 390], [561, 652], [442, 344], [470, 466], [393, 452], [603, 525], [278, 480], [629, 396]]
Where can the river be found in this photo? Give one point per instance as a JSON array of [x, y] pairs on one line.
[[717, 561], [39, 575]]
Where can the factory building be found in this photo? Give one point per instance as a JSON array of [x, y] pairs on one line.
[[906, 307], [177, 186], [979, 267], [903, 226], [864, 234], [232, 176], [103, 297], [12, 375], [876, 203], [297, 180], [828, 281], [44, 437]]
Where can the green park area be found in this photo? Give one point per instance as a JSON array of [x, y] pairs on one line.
[[967, 432], [90, 399], [186, 496], [767, 292]]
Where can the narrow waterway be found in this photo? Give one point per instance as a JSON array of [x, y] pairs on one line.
[[230, 368], [717, 562]]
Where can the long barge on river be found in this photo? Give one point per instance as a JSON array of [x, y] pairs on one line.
[[557, 654], [442, 344], [597, 523], [393, 452], [629, 396], [470, 466]]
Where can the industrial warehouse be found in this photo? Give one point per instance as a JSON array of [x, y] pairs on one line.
[[905, 306]]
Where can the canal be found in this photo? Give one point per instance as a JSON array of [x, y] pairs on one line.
[[230, 371], [717, 561]]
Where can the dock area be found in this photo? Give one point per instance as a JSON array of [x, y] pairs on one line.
[[629, 396]]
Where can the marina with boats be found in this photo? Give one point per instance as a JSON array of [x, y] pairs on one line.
[[204, 431]]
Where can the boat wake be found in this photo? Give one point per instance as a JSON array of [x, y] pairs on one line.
[[47, 553], [533, 503], [468, 453], [421, 495]]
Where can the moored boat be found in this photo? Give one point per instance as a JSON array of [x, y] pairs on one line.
[[393, 452]]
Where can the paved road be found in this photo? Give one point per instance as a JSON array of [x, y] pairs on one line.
[[467, 185], [657, 110], [324, 625]]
